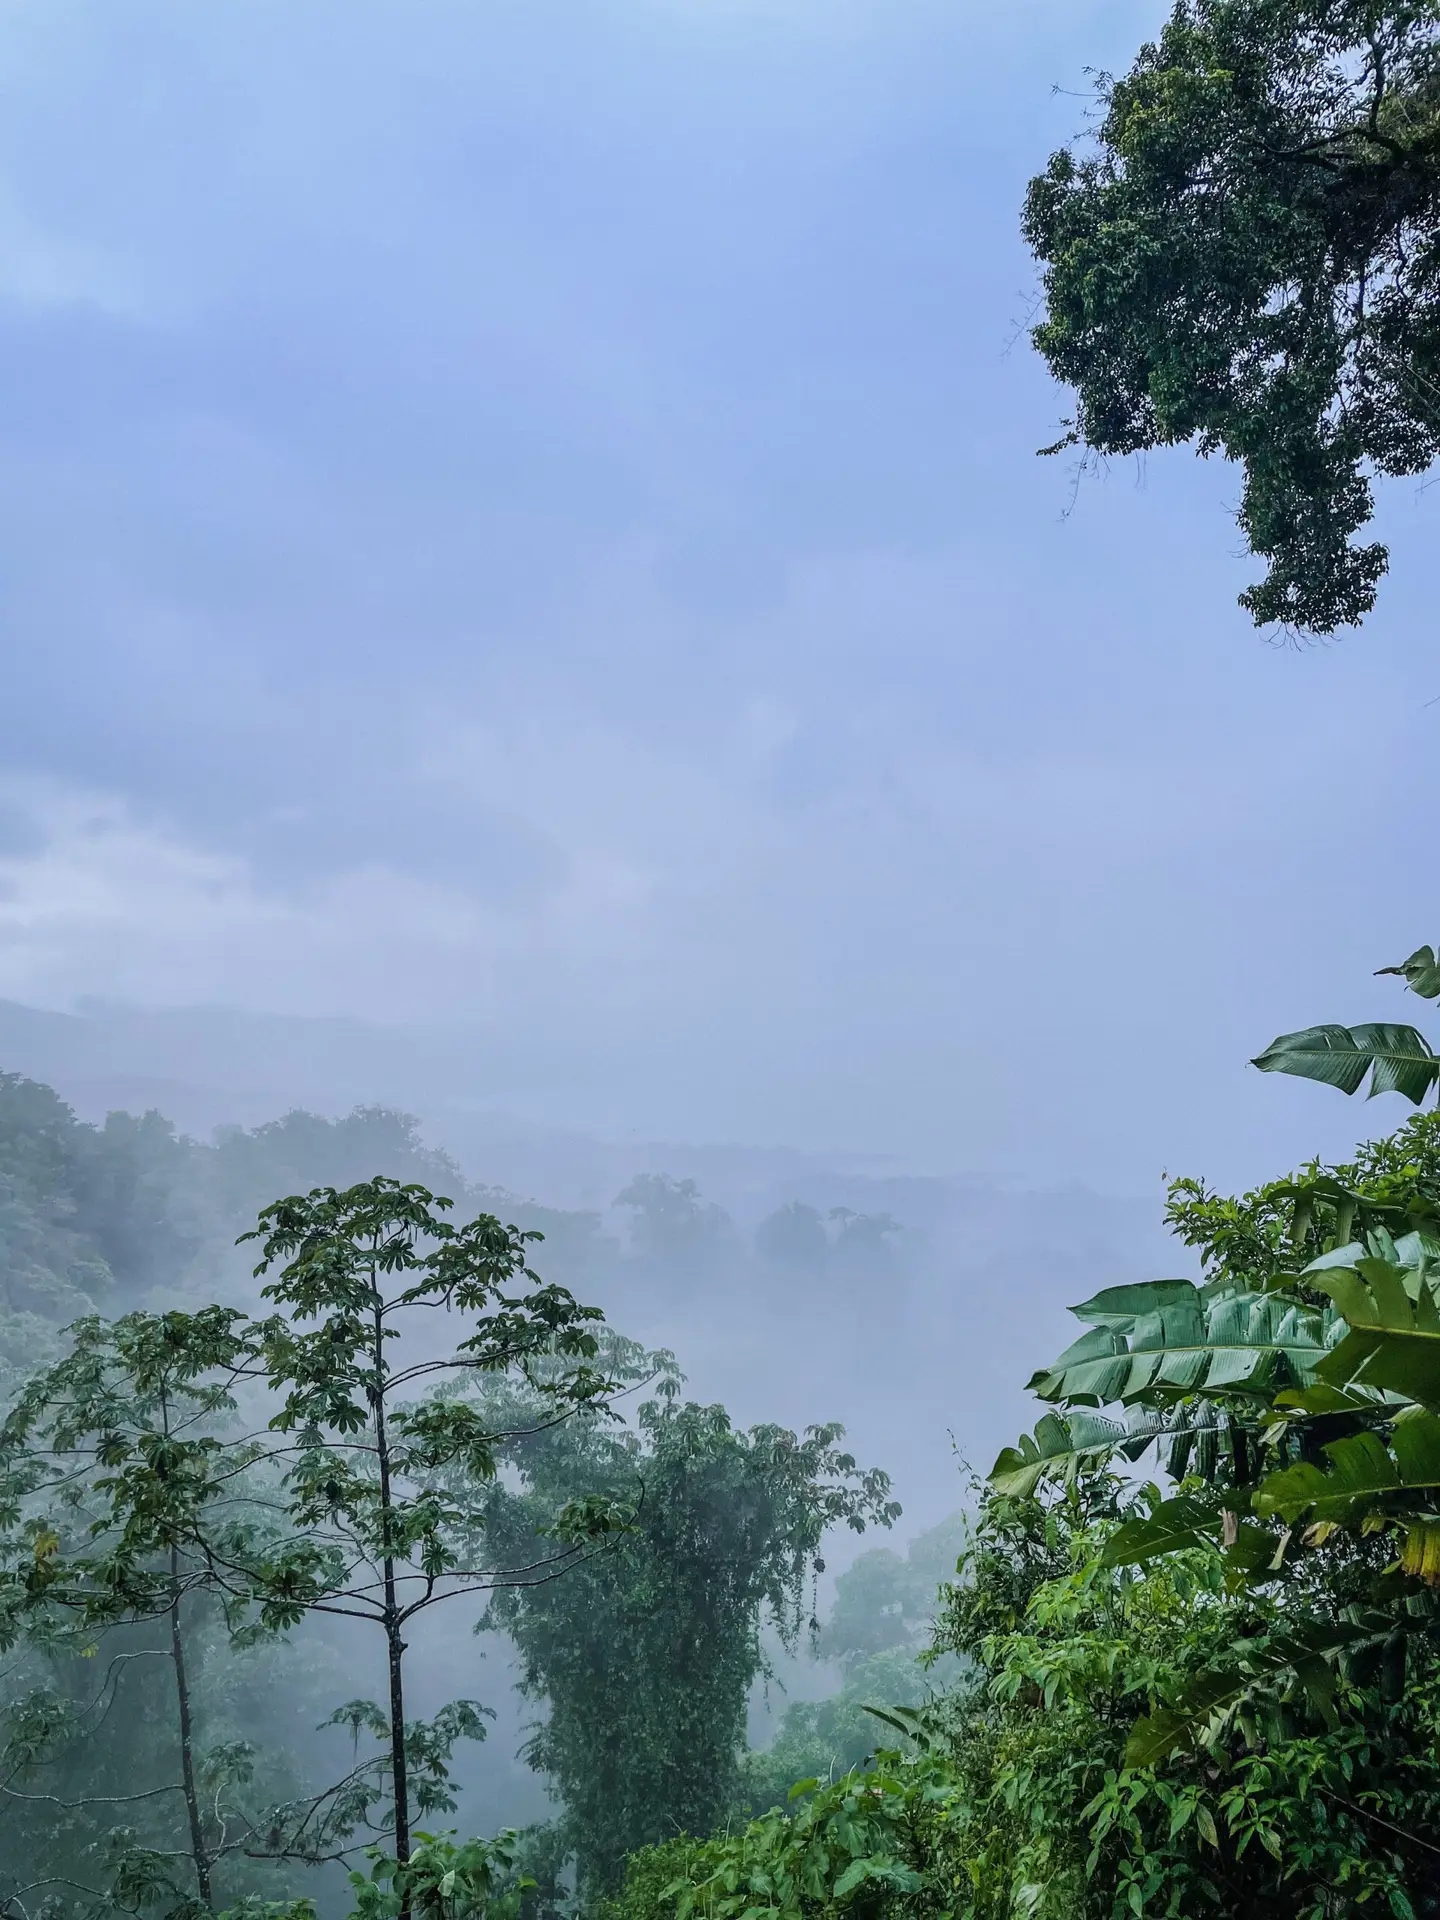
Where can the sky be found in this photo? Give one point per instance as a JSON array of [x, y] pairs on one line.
[[525, 518]]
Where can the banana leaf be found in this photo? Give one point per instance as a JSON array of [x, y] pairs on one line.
[[1392, 1342], [1397, 1058], [1156, 1342], [1061, 1445], [1421, 972], [1366, 1482]]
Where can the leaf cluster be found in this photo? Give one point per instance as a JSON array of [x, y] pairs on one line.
[[1246, 255]]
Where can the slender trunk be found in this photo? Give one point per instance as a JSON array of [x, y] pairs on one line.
[[182, 1697], [394, 1644], [187, 1749]]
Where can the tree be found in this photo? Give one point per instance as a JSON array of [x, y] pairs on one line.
[[117, 1490], [794, 1235], [82, 1219], [1247, 257], [386, 1492], [670, 1219], [885, 1602], [646, 1654]]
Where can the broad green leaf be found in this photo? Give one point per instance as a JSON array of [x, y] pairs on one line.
[[1189, 1520], [1421, 972], [907, 1720], [1094, 1369], [1192, 1520], [1362, 1476], [1393, 1342], [1174, 1339], [1061, 1445], [1120, 1307], [1397, 1058], [1365, 1481]]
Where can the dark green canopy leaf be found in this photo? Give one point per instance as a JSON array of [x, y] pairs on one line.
[[1301, 1663], [1061, 1446]]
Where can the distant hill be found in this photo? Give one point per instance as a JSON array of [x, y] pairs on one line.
[[794, 1286]]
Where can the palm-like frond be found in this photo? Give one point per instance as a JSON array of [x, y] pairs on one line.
[[1275, 1670], [1164, 1339], [1397, 1058], [1194, 1520], [1061, 1446]]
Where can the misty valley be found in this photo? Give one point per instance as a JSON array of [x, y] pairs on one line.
[[357, 1559]]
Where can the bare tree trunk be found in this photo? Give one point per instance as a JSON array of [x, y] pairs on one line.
[[187, 1750], [394, 1644]]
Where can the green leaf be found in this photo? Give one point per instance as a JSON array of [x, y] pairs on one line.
[[1061, 1445], [907, 1720], [1397, 1058], [1394, 1338], [1169, 1338], [1189, 1520], [1421, 972], [1120, 1307], [1299, 1662], [1362, 1476]]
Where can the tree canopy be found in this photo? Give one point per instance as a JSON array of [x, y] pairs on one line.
[[1246, 256], [646, 1653]]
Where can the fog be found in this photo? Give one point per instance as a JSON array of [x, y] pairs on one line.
[[528, 599], [528, 528], [793, 1286]]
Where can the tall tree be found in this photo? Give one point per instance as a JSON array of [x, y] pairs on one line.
[[1246, 256], [646, 1653], [386, 1489], [117, 1488]]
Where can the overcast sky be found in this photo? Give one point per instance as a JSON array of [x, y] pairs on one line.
[[526, 515]]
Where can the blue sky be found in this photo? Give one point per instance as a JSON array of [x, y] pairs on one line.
[[526, 517]]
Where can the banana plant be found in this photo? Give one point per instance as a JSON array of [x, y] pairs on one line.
[[1163, 1341], [1323, 1385], [1397, 1058], [1064, 1445]]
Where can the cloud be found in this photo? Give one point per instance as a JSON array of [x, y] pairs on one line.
[[526, 517], [97, 901], [40, 269]]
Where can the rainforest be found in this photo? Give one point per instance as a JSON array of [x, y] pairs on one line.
[[1212, 1685], [535, 641]]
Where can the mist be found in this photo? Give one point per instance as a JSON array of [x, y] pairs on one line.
[[540, 659]]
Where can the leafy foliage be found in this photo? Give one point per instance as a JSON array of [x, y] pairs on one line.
[[646, 1652], [385, 1494], [1020, 1797], [118, 1493], [1397, 1058], [878, 1627], [1248, 257]]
